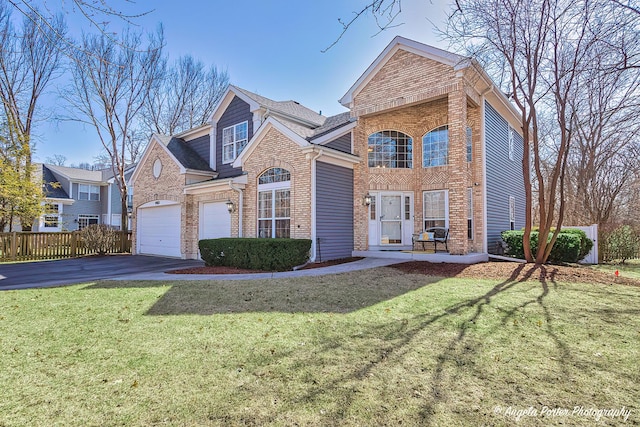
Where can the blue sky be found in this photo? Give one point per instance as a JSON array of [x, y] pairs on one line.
[[269, 47]]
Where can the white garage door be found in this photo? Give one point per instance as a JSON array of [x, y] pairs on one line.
[[215, 221], [159, 230]]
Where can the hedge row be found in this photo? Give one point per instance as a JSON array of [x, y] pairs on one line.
[[571, 245], [255, 254]]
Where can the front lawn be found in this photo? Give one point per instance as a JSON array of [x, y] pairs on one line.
[[377, 347]]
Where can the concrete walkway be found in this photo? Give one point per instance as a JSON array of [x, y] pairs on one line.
[[362, 264]]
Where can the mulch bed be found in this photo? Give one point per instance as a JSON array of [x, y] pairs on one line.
[[515, 272], [488, 270]]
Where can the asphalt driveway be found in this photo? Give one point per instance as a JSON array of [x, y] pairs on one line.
[[25, 275]]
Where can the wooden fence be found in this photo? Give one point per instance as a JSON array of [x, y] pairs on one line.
[[31, 246]]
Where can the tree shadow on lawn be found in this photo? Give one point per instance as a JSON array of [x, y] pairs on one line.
[[340, 293]]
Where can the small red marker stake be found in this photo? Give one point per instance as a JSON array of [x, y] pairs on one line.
[[617, 273]]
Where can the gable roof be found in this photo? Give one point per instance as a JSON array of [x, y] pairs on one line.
[[289, 108], [187, 155], [77, 174], [50, 185], [408, 45]]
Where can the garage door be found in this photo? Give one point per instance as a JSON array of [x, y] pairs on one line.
[[215, 221], [159, 230]]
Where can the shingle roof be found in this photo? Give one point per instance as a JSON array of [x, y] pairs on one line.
[[187, 156], [77, 174], [332, 123], [291, 108], [50, 185]]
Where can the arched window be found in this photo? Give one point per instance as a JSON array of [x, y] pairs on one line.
[[435, 147], [390, 149], [274, 203]]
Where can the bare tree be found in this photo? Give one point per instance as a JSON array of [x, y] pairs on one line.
[[185, 98], [57, 160], [111, 82], [546, 46], [29, 59]]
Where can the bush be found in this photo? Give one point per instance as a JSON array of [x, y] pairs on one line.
[[255, 254], [569, 246], [98, 238], [621, 244], [586, 244]]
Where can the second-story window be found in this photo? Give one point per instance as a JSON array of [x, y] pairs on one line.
[[234, 138], [88, 192], [390, 149], [435, 147]]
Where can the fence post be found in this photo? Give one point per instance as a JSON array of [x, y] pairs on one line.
[[74, 244], [14, 246]]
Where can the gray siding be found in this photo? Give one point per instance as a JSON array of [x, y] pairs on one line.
[[334, 211], [237, 112], [341, 144], [504, 177], [89, 207], [201, 146]]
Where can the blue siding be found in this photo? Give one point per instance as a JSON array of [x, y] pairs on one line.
[[237, 112], [334, 212], [341, 144], [201, 146], [87, 207], [504, 176]]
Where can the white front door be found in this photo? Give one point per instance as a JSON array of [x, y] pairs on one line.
[[391, 219], [215, 220]]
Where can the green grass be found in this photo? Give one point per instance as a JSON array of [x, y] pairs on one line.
[[631, 268], [378, 347]]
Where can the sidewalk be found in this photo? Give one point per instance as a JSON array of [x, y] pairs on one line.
[[363, 264]]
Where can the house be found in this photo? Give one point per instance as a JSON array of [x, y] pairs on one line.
[[428, 141], [76, 198]]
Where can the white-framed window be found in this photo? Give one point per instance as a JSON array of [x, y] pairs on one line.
[[435, 147], [234, 139], [511, 154], [88, 192], [512, 213], [435, 208], [51, 217], [470, 214], [85, 220], [390, 149], [469, 144], [274, 203]]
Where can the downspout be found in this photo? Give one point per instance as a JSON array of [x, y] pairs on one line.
[[314, 248], [240, 203]]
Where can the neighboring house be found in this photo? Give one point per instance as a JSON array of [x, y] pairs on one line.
[[76, 198], [428, 140]]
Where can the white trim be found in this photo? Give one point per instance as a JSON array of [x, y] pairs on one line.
[[193, 133], [155, 203], [212, 146], [446, 206], [234, 142], [314, 221], [337, 133], [226, 99], [155, 139], [109, 204], [216, 185], [483, 148], [331, 156], [268, 124], [396, 44]]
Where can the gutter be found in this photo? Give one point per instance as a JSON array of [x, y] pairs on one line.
[[312, 258]]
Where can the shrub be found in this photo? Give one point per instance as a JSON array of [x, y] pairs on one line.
[[98, 238], [621, 244], [567, 248], [586, 244], [255, 254]]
